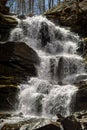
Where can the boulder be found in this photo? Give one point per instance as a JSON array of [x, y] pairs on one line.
[[70, 123], [44, 34], [18, 60], [66, 67]]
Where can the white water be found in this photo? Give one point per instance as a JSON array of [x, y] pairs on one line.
[[43, 96]]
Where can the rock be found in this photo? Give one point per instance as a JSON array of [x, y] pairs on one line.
[[8, 97], [80, 80], [3, 2], [81, 94], [18, 60], [66, 67], [21, 17], [4, 9], [82, 118], [6, 23], [34, 124], [49, 127], [4, 115], [44, 34], [66, 14], [70, 123], [81, 97]]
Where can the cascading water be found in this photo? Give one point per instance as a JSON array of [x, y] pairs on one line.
[[46, 94]]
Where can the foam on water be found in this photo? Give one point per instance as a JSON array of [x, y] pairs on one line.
[[46, 95]]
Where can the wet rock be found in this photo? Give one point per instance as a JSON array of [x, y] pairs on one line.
[[18, 60], [81, 94], [8, 97], [4, 115], [44, 34], [82, 118], [70, 123], [32, 124], [21, 17], [66, 67], [6, 23], [81, 97], [80, 80], [82, 47], [49, 127]]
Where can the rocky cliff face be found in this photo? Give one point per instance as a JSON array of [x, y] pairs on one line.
[[6, 21], [66, 14], [17, 61]]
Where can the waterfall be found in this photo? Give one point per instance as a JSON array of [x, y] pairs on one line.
[[52, 90]]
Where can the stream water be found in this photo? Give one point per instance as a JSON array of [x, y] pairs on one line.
[[52, 92], [46, 94]]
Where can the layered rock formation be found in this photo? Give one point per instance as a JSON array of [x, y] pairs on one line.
[[6, 22], [17, 61], [66, 14]]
